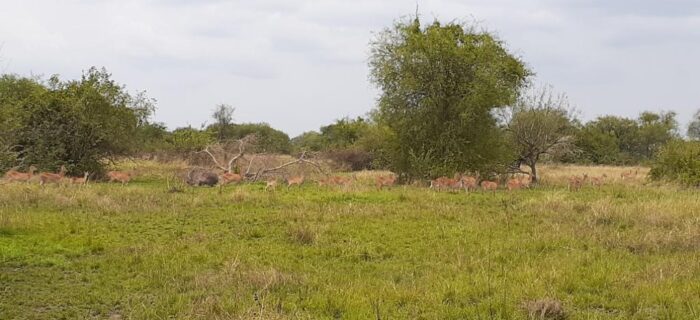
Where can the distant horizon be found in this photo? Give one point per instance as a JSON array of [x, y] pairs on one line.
[[300, 65]]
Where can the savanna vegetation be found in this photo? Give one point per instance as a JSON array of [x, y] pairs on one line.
[[468, 192]]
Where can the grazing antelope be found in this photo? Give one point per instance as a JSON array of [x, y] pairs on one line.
[[48, 177], [469, 183], [271, 184], [385, 181], [80, 181], [15, 176], [296, 180], [575, 182], [229, 177], [489, 185], [119, 176]]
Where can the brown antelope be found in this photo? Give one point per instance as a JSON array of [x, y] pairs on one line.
[[514, 184], [15, 176], [598, 181], [469, 183], [575, 182], [271, 184], [80, 181], [296, 180], [489, 185], [445, 182], [229, 177], [119, 176], [385, 181], [629, 174], [48, 177]]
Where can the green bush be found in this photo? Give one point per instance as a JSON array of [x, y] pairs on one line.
[[678, 161]]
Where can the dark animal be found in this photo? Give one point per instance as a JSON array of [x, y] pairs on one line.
[[202, 178]]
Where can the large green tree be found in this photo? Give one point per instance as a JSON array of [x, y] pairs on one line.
[[76, 123], [440, 84]]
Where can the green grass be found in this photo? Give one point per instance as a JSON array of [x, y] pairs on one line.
[[141, 252]]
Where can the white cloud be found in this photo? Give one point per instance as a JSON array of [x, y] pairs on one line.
[[300, 64]]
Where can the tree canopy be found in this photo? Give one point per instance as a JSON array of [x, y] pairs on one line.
[[439, 85], [75, 123]]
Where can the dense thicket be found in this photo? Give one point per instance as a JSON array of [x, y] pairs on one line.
[[678, 161], [618, 140], [77, 123], [439, 87]]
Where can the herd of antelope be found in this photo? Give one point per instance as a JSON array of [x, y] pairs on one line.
[[44, 178], [458, 182]]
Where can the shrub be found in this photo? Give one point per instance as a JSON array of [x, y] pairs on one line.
[[678, 161]]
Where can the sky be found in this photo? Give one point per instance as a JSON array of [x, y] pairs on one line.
[[299, 65]]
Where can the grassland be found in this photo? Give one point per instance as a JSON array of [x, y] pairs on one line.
[[627, 250]]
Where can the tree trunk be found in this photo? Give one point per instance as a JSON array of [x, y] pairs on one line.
[[533, 172]]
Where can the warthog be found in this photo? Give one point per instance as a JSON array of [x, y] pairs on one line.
[[202, 178]]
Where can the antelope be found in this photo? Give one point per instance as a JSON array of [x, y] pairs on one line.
[[514, 184], [48, 177], [489, 185], [387, 181], [341, 181], [297, 180], [449, 183], [271, 184], [629, 174], [598, 181], [81, 181], [469, 183], [119, 176], [575, 182], [14, 175], [229, 177]]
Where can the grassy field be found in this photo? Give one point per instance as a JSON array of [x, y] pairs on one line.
[[627, 250]]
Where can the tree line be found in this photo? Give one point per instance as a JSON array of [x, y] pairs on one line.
[[452, 99]]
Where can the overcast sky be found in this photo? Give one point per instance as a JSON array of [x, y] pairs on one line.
[[298, 65]]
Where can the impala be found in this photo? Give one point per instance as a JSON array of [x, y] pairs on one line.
[[119, 176], [48, 177], [385, 181], [489, 185], [14, 175], [271, 184], [229, 177], [296, 180], [469, 183], [81, 181], [576, 182]]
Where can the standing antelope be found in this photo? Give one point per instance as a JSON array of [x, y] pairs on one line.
[[387, 181], [48, 177], [296, 180], [575, 182], [119, 176], [598, 181], [13, 175], [229, 177], [445, 182], [80, 181], [489, 185], [271, 184], [514, 184], [629, 174], [469, 183]]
